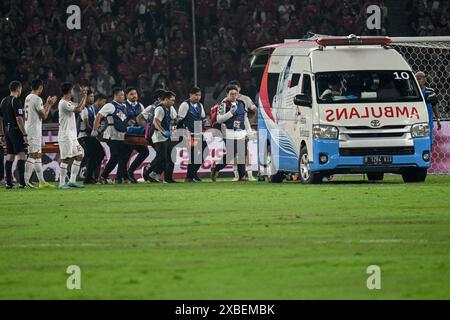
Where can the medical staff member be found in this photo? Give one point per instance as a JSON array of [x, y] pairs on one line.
[[432, 103], [134, 109], [190, 117], [233, 117], [162, 122], [116, 115]]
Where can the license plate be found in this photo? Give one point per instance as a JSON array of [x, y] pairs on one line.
[[378, 160]]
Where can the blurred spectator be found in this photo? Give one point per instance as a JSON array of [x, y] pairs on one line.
[[148, 43]]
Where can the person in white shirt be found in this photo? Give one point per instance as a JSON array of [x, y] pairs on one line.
[[165, 114], [190, 117], [116, 114], [249, 105], [232, 114], [145, 119], [93, 150], [69, 147], [35, 112], [134, 109]]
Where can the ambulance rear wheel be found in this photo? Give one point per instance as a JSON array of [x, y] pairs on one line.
[[306, 176], [375, 176], [274, 176], [415, 175]]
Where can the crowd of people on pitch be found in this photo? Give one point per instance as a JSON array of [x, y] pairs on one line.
[[93, 119]]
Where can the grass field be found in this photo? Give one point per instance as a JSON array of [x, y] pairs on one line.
[[228, 241]]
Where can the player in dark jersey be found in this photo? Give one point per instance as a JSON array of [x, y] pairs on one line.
[[12, 131], [2, 163]]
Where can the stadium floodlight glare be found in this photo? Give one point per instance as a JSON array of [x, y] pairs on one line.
[[353, 40]]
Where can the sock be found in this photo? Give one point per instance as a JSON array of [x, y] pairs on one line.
[[236, 172], [29, 167], [21, 169], [39, 170], [74, 170], [63, 174], [249, 171], [8, 171]]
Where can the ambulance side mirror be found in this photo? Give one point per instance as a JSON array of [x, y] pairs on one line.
[[303, 100]]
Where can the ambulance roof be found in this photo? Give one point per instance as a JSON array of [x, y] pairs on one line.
[[341, 57]]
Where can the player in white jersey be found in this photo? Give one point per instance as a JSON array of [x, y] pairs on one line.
[[69, 148], [35, 112]]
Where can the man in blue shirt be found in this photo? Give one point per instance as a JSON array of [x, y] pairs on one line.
[[432, 103]]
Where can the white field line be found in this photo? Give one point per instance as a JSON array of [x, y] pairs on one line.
[[360, 241]]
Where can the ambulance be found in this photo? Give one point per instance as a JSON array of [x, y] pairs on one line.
[[340, 105]]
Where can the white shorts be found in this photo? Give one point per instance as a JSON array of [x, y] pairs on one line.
[[70, 149], [35, 145]]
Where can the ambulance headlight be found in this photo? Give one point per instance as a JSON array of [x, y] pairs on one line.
[[420, 130], [325, 132]]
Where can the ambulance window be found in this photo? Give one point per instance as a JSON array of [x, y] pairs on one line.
[[306, 85], [295, 80], [272, 84]]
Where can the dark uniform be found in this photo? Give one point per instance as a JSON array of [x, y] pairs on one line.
[[93, 150], [10, 108]]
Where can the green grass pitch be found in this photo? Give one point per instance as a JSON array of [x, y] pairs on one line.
[[228, 241]]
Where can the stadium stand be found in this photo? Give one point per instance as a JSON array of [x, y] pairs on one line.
[[148, 43]]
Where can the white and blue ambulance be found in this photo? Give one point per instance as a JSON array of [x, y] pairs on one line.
[[339, 105]]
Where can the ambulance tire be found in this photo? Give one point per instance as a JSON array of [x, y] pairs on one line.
[[274, 177], [306, 176], [415, 175], [375, 176]]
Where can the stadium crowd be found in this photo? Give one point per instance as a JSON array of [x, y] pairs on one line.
[[429, 18], [148, 43]]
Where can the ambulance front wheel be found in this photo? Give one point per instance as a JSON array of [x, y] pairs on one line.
[[415, 175], [306, 176], [273, 175]]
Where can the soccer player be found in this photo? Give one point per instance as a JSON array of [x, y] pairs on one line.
[[35, 112], [232, 114], [93, 150], [134, 109], [190, 117], [69, 147], [2, 163], [432, 103], [12, 131], [249, 105], [116, 115], [164, 115]]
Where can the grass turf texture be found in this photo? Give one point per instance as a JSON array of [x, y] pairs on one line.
[[228, 241]]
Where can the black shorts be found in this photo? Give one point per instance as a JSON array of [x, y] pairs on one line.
[[14, 141]]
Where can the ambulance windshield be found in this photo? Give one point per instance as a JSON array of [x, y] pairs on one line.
[[366, 86]]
